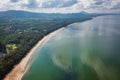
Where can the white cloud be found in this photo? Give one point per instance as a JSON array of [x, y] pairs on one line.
[[61, 6]]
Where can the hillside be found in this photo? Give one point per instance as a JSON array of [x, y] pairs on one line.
[[23, 14]]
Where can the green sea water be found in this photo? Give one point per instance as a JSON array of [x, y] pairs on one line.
[[82, 51]]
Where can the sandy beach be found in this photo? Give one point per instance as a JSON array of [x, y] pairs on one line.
[[20, 69]]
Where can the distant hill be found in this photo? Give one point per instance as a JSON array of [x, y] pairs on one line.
[[24, 14]]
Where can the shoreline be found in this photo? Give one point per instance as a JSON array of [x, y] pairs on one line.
[[20, 69]]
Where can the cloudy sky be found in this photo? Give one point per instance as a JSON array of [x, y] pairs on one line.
[[62, 6]]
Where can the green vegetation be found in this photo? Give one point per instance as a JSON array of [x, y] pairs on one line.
[[19, 35], [10, 48]]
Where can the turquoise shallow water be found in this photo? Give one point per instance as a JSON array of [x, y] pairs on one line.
[[82, 51]]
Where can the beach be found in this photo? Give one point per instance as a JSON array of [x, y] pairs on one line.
[[20, 69]]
